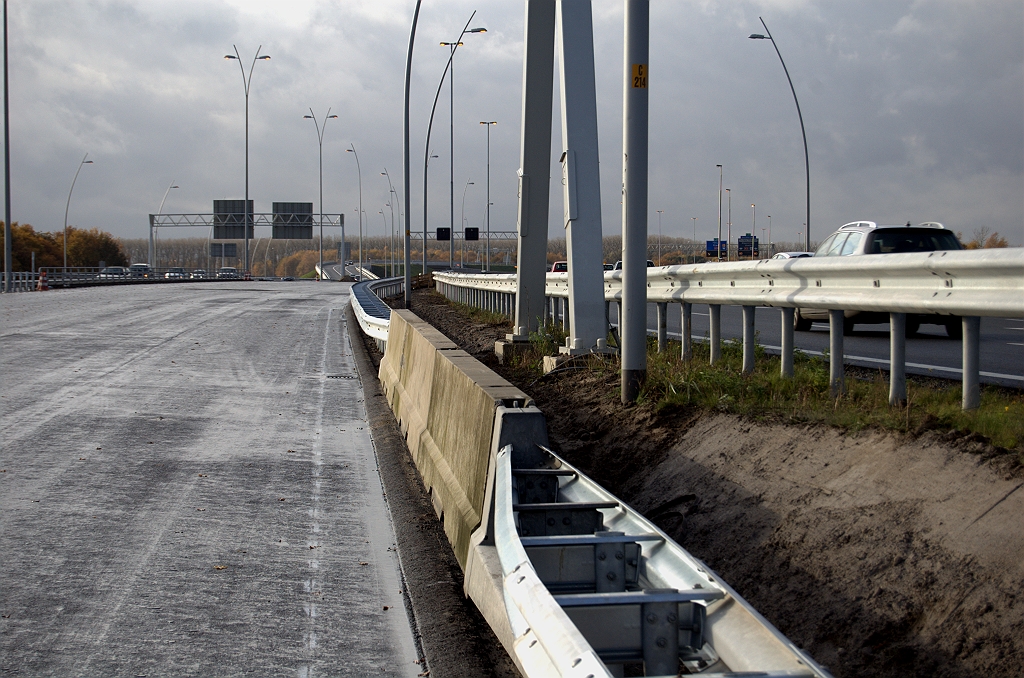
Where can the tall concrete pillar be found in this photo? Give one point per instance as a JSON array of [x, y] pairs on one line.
[[581, 180], [633, 323], [534, 167]]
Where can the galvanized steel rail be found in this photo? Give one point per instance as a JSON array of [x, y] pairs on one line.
[[372, 313], [966, 284]]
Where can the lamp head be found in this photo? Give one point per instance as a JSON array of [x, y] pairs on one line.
[[175, 186], [331, 116], [307, 117], [477, 30], [717, 165], [263, 58], [87, 162], [757, 36], [230, 56]]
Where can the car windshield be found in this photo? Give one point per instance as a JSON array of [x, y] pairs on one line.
[[893, 241]]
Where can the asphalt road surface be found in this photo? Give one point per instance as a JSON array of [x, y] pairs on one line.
[[188, 487]]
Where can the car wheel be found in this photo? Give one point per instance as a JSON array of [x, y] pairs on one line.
[[800, 323], [954, 328]]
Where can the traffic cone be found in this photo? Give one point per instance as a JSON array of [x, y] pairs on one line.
[[41, 286]]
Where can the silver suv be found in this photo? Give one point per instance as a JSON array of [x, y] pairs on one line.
[[867, 237]]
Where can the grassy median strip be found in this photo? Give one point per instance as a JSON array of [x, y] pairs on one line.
[[764, 395]]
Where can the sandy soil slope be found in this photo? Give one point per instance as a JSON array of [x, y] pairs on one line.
[[880, 554]]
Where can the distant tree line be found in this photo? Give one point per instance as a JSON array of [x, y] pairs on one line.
[[86, 247]]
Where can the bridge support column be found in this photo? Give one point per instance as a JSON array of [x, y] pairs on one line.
[[687, 330], [748, 339], [898, 359], [787, 342], [971, 343], [836, 377], [715, 317]]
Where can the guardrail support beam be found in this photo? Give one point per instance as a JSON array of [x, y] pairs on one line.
[[836, 377], [662, 325], [972, 345], [787, 342], [898, 359], [748, 339], [715, 316], [687, 330]]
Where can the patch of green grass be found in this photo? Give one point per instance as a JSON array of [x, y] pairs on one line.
[[765, 395], [806, 397]]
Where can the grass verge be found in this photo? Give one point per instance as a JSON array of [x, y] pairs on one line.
[[764, 395]]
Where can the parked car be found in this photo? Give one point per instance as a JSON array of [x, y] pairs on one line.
[[791, 255], [198, 274], [560, 267], [113, 273], [140, 271], [618, 265], [868, 238], [227, 272], [175, 273]]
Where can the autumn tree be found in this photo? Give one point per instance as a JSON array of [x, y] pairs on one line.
[[90, 247], [48, 248]]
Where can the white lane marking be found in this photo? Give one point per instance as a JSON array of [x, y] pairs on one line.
[[879, 361], [1013, 343]]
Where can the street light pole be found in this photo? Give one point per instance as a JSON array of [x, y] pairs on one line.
[[359, 169], [320, 129], [8, 246], [68, 206], [394, 199], [246, 81], [660, 212], [728, 230], [487, 246], [462, 225], [769, 236], [719, 243], [753, 228], [152, 244], [694, 238], [803, 132]]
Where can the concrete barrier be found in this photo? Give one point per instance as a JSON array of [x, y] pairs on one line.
[[445, 402]]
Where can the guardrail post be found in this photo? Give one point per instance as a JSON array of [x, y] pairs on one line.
[[748, 339], [835, 352], [715, 314], [686, 328], [787, 341], [971, 345], [898, 359], [662, 325]]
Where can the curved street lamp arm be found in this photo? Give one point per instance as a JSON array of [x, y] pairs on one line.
[[803, 132]]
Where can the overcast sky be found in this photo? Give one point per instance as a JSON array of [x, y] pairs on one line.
[[914, 110]]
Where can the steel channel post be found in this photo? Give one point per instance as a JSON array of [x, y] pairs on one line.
[[898, 359], [633, 321], [748, 339], [662, 325], [715, 318], [835, 353], [787, 342], [686, 327], [971, 346]]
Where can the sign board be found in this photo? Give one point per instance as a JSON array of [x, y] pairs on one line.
[[723, 248], [444, 234], [229, 220], [748, 246], [227, 249], [293, 221], [472, 233]]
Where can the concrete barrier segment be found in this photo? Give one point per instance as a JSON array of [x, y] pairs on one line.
[[445, 402]]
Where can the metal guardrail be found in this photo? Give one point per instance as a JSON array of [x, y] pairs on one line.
[[965, 283], [22, 281], [958, 284], [589, 584], [373, 314]]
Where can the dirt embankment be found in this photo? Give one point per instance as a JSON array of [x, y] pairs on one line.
[[881, 555]]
